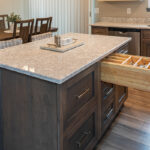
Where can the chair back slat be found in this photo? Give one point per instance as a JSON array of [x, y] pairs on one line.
[[45, 25], [26, 29], [3, 20]]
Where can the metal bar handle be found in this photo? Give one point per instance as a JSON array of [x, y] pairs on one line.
[[83, 94]]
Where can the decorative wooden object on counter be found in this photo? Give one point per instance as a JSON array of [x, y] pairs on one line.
[[127, 70]]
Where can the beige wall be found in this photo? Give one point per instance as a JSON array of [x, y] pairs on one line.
[[8, 6], [119, 9], [96, 15]]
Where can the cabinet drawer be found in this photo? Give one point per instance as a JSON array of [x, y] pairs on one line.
[[121, 95], [83, 136], [78, 92], [108, 115], [127, 70], [100, 31], [145, 34]]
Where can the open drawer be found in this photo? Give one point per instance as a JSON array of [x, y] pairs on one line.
[[127, 70]]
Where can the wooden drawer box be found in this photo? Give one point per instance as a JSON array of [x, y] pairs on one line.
[[83, 136], [127, 70]]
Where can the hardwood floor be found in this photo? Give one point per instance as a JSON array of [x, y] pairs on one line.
[[131, 129]]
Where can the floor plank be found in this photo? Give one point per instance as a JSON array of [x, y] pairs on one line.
[[131, 129]]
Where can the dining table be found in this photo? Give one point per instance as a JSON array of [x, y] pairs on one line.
[[7, 36]]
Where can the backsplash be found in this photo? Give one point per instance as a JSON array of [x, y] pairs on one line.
[[118, 11], [125, 20]]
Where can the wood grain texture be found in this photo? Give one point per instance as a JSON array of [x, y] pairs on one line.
[[29, 113], [125, 75], [5, 36], [131, 129]]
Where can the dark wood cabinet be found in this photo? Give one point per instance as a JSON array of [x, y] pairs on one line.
[[133, 45], [145, 47], [113, 98], [145, 43], [83, 136], [38, 114], [99, 31], [121, 95]]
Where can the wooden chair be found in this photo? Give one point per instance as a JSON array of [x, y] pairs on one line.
[[3, 19], [25, 29], [10, 43], [45, 25]]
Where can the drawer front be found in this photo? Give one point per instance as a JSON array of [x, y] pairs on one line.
[[145, 34], [127, 70], [100, 31], [108, 115], [121, 95], [83, 136], [79, 94]]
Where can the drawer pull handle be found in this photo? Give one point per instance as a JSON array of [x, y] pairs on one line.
[[108, 93], [84, 93], [82, 138], [121, 98], [108, 116]]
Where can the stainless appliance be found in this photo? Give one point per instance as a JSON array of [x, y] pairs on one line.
[[134, 45]]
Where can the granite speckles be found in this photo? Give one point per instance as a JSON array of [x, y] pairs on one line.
[[122, 25], [57, 67]]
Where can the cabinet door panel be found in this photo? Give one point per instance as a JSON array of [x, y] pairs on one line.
[[145, 51], [100, 30], [121, 96]]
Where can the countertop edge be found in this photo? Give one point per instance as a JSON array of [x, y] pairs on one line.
[[116, 25], [61, 81]]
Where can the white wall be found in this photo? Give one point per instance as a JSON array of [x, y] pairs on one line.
[[8, 6], [68, 15]]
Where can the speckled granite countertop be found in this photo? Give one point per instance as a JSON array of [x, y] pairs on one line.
[[57, 67], [122, 25]]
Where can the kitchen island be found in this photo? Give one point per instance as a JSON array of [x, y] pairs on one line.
[[52, 100]]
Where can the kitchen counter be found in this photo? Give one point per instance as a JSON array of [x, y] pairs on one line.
[[122, 25], [57, 67]]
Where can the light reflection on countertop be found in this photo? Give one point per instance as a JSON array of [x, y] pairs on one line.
[[58, 67]]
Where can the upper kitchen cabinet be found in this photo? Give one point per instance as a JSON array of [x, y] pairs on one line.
[[117, 0]]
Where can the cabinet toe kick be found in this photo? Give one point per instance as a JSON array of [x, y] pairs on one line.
[[132, 71]]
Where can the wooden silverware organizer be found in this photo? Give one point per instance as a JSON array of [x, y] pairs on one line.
[[127, 70]]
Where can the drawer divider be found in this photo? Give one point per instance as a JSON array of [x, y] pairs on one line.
[[126, 60], [138, 61]]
